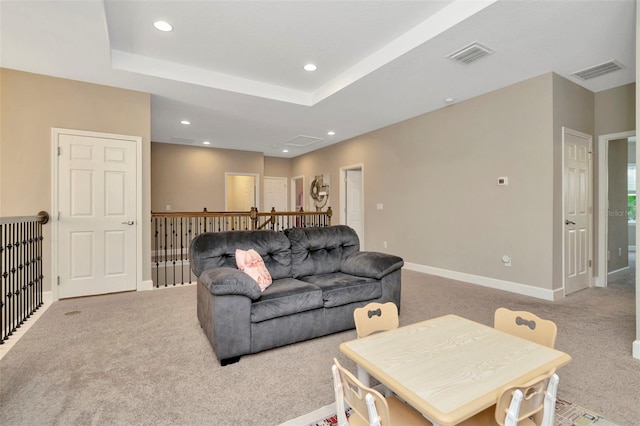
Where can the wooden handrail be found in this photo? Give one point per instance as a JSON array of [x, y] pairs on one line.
[[301, 212]]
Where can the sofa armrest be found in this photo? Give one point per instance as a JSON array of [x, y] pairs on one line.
[[371, 264], [223, 281]]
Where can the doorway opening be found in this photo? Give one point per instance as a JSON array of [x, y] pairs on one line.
[[352, 199], [617, 212], [297, 193], [241, 191]]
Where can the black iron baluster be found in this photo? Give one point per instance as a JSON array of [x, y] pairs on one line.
[[164, 260], [181, 251], [12, 299], [23, 266], [27, 271], [155, 250], [3, 284], [20, 273], [39, 270], [174, 244]]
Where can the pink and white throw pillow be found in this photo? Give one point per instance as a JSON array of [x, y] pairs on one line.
[[250, 262]]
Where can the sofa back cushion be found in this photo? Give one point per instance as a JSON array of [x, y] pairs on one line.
[[216, 249], [320, 250]]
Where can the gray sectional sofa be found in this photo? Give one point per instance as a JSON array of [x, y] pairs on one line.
[[319, 277]]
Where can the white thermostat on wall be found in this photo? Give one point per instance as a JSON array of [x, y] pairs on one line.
[[503, 181]]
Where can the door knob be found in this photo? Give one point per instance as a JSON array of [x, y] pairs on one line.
[[128, 222], [569, 222]]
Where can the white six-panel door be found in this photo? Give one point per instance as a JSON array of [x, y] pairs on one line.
[[97, 215], [275, 196], [577, 211]]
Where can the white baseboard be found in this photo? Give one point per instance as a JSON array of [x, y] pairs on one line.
[[145, 285], [636, 349], [513, 287], [176, 286], [17, 334]]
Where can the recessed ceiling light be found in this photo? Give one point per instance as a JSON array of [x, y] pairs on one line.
[[448, 100], [331, 133], [206, 143], [163, 26], [285, 150], [310, 67], [185, 122]]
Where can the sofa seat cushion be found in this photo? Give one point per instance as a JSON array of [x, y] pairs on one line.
[[286, 296], [340, 289]]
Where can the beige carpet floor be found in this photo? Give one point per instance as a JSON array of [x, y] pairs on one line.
[[141, 359]]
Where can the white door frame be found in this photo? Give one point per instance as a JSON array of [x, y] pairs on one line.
[[256, 189], [566, 130], [55, 134], [343, 196], [603, 201]]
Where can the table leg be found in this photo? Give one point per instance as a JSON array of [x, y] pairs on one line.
[[363, 376]]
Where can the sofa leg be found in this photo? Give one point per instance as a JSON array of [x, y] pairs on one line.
[[228, 361]]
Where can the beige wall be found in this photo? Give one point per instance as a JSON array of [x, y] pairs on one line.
[[436, 176], [31, 105], [189, 178], [615, 110], [277, 167]]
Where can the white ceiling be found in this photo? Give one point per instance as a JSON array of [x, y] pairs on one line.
[[235, 68]]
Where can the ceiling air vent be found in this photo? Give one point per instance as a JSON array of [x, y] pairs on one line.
[[302, 141], [598, 70], [470, 53]]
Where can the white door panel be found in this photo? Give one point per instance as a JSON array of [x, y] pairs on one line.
[[275, 196], [577, 221], [96, 200]]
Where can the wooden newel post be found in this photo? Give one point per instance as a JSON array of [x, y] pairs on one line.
[[273, 218], [254, 217], [329, 214]]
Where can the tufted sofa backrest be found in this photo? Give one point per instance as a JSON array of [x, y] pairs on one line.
[[320, 250], [217, 249]]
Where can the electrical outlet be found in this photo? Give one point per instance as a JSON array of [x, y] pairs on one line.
[[384, 243], [167, 207]]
